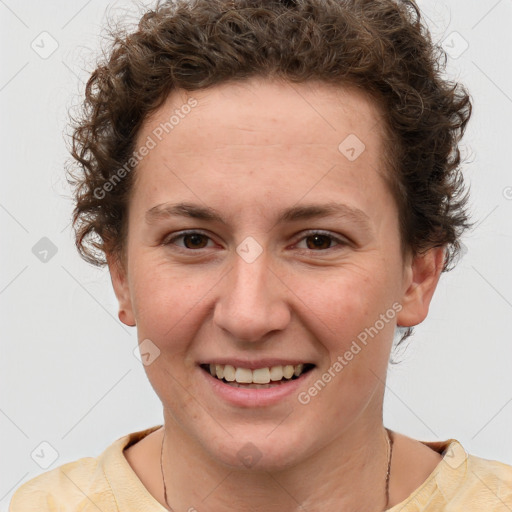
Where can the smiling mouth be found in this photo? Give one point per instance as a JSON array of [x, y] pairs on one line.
[[259, 378]]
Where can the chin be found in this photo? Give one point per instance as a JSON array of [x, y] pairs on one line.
[[261, 451]]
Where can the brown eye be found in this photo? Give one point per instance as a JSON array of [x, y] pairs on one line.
[[195, 241], [319, 241], [191, 240]]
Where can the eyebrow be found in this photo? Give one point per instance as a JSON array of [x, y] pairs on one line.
[[292, 214]]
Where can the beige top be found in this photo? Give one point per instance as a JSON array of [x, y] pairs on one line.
[[460, 482]]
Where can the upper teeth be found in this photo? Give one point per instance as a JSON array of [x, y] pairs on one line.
[[258, 376]]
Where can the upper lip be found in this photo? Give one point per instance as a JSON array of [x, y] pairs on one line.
[[254, 364]]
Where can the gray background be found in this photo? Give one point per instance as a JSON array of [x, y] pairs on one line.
[[68, 373]]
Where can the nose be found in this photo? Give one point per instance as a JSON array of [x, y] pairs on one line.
[[252, 301]]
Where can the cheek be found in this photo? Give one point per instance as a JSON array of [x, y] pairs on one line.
[[350, 298], [345, 316], [166, 301]]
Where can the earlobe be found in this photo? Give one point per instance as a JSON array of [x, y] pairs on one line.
[[121, 289], [125, 318], [422, 275]]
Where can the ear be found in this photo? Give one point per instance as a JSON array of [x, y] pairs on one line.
[[421, 274], [119, 280]]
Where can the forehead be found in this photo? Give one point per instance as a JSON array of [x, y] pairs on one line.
[[266, 106], [279, 135]]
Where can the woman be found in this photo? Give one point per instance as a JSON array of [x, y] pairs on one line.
[[275, 188]]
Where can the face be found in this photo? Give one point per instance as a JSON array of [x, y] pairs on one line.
[[285, 251]]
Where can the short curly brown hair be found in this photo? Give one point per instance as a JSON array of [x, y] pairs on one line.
[[379, 46]]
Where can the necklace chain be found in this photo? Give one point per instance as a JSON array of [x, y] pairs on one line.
[[388, 472]]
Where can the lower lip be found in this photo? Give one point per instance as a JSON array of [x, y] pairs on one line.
[[253, 397]]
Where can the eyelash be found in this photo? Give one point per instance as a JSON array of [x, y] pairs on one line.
[[307, 234]]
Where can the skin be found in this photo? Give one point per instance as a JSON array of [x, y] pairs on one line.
[[249, 150]]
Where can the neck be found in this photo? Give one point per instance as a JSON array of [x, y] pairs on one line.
[[348, 474]]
